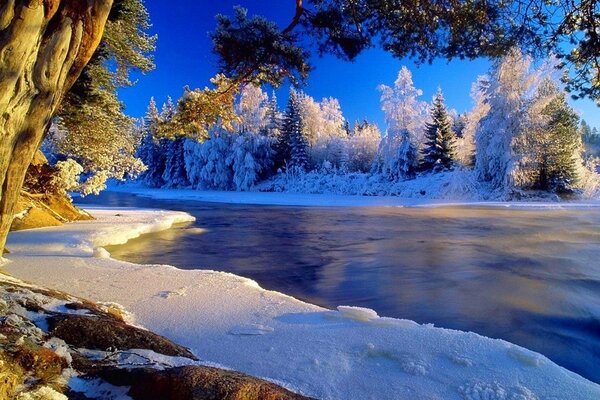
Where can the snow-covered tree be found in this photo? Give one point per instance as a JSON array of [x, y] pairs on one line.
[[208, 164], [438, 150], [274, 118], [548, 150], [174, 174], [402, 108], [292, 145], [405, 116], [507, 93], [251, 159], [465, 141], [252, 108], [362, 146], [151, 149]]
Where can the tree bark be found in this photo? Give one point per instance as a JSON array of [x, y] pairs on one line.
[[44, 46]]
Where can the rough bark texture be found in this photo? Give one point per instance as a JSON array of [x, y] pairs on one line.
[[44, 45]]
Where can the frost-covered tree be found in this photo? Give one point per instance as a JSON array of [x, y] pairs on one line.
[[151, 148], [405, 115], [325, 130], [510, 83], [208, 164], [252, 159], [438, 150], [465, 142], [174, 173], [292, 146], [363, 143], [402, 108], [273, 128], [549, 148], [252, 108]]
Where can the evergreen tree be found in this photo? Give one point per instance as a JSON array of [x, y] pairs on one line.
[[150, 150], [404, 112], [174, 173], [438, 153], [292, 146], [273, 128], [565, 148]]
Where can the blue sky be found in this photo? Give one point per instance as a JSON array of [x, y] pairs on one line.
[[184, 57]]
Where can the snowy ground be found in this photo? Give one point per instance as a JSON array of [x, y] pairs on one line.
[[229, 320], [327, 200]]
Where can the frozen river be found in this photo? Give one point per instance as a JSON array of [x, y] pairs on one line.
[[531, 277]]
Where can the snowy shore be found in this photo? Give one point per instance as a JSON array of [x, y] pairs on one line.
[[331, 200], [229, 320]]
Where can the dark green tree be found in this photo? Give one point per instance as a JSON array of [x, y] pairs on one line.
[[292, 147], [438, 153], [562, 154]]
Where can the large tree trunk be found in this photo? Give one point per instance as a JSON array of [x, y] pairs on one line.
[[44, 45]]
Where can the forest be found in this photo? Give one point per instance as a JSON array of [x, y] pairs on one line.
[[521, 139]]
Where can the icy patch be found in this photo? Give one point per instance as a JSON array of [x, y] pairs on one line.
[[42, 393], [357, 313], [100, 252], [115, 308], [167, 294], [408, 363], [138, 358], [98, 389], [60, 348], [461, 360], [526, 357], [251, 330], [494, 391]]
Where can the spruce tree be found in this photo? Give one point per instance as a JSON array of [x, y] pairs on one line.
[[150, 150], [438, 153], [292, 146], [273, 128], [565, 146]]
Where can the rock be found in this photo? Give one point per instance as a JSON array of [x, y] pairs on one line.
[[105, 332], [40, 204], [195, 383], [42, 362]]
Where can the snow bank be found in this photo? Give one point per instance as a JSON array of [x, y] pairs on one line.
[[332, 200], [349, 353]]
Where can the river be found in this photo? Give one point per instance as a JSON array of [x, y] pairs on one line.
[[529, 276]]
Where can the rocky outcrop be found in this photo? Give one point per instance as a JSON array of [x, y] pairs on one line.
[[195, 383], [103, 332], [38, 205], [47, 336]]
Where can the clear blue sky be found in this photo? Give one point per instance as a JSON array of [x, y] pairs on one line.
[[184, 57]]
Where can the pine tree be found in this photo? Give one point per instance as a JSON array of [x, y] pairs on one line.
[[174, 174], [292, 146], [273, 128], [566, 146], [438, 153], [404, 112], [150, 150]]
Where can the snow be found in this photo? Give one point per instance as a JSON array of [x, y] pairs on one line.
[[332, 200], [349, 353]]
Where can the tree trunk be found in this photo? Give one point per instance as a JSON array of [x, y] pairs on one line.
[[44, 45]]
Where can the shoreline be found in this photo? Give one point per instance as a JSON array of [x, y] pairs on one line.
[[231, 321], [332, 200]]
